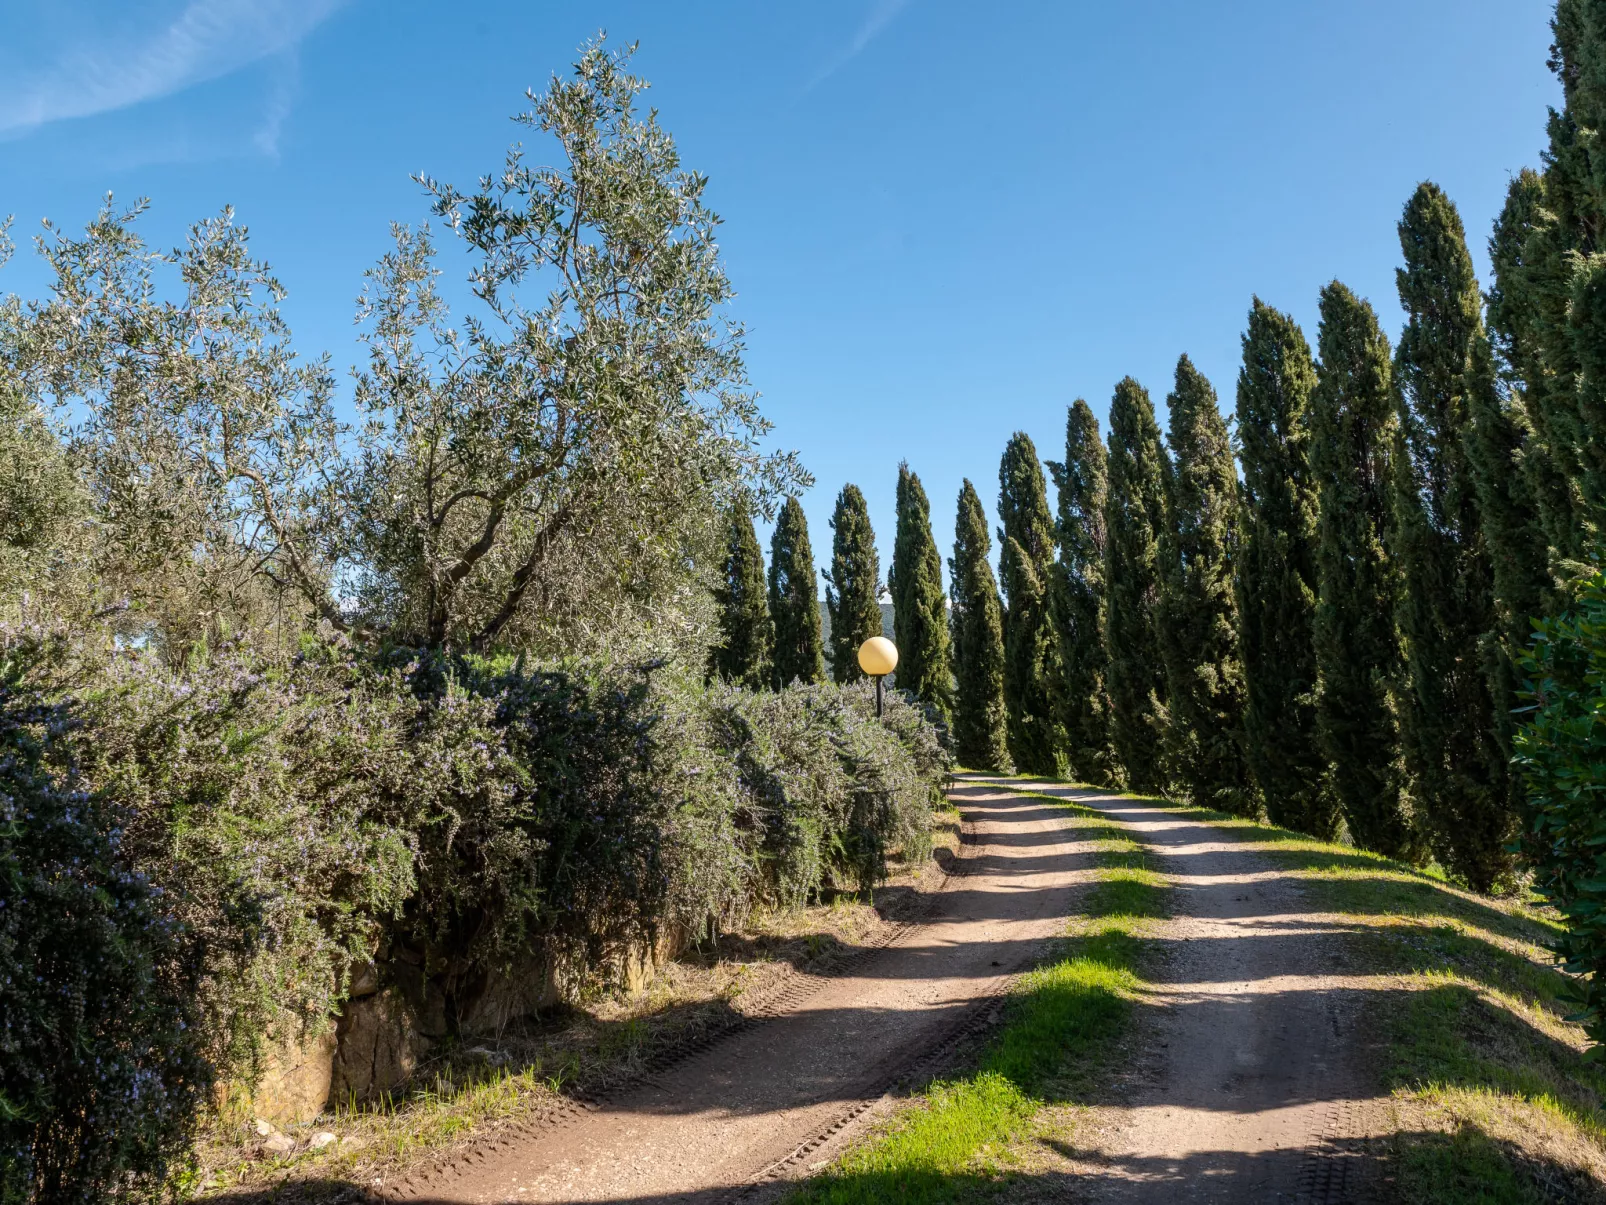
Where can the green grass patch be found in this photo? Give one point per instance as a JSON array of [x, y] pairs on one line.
[[1060, 1023]]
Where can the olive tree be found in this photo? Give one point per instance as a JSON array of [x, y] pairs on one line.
[[573, 445], [551, 468], [207, 451]]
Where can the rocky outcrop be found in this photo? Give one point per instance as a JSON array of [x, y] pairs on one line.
[[296, 1076], [382, 1034], [379, 1047]]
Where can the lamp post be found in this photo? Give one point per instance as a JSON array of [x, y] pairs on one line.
[[878, 657]]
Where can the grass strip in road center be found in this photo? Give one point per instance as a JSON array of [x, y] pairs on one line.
[[1060, 1023]]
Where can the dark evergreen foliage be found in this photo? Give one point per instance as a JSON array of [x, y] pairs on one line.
[[1026, 567], [794, 600], [1198, 618], [746, 639], [919, 610], [1539, 402], [102, 1074], [978, 642], [1456, 767], [1276, 578], [1567, 277], [853, 589], [1561, 754], [1497, 438], [1358, 662], [1134, 521], [1078, 602]]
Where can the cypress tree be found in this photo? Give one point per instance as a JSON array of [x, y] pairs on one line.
[[1357, 647], [744, 652], [919, 618], [978, 643], [1531, 511], [853, 590], [1276, 576], [1539, 402], [1134, 520], [1025, 565], [1567, 275], [1447, 713], [794, 601], [1497, 437], [1082, 489], [1198, 618]]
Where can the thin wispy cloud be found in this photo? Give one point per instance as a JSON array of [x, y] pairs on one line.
[[286, 80], [208, 39], [881, 14]]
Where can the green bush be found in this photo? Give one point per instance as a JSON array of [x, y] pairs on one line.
[[281, 802], [101, 1068], [459, 820], [829, 790], [1561, 752]]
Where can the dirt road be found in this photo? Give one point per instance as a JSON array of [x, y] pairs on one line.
[[783, 1094], [1247, 1090], [1252, 1088]]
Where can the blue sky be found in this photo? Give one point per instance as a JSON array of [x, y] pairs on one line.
[[944, 220]]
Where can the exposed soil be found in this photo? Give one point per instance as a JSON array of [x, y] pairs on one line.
[[781, 1094]]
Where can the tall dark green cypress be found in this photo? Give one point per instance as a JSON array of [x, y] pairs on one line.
[[1529, 507], [794, 600], [853, 590], [1357, 647], [1276, 577], [1198, 616], [1134, 522], [1025, 567], [744, 652], [919, 611], [1082, 486], [978, 643], [1539, 401], [1497, 437], [1567, 272], [1447, 714]]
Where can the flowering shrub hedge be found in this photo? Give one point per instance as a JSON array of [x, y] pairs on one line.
[[309, 814], [101, 1067]]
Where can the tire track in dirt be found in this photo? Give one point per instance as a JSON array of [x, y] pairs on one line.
[[1254, 1085], [781, 1093]]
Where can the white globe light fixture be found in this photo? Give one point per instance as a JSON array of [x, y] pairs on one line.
[[878, 657]]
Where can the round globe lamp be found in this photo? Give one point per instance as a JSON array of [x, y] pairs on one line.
[[878, 657]]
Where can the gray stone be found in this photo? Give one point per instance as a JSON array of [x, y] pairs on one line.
[[279, 1144], [364, 980], [504, 998]]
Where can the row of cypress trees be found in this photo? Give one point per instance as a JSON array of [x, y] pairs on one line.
[[1324, 629], [1318, 613], [770, 633]]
